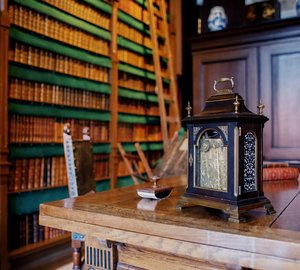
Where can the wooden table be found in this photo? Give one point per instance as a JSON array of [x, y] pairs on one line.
[[124, 231]]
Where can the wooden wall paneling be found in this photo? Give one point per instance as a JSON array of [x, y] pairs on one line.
[[240, 63], [280, 83]]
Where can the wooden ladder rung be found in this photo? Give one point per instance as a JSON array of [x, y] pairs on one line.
[[167, 97], [140, 176], [131, 163], [163, 54], [172, 119], [131, 156], [143, 159]]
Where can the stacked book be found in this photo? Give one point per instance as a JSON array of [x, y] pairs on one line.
[[279, 171]]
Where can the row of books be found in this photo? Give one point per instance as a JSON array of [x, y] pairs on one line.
[[54, 94], [138, 107], [49, 27], [136, 59], [37, 173], [25, 230], [135, 82], [102, 19], [138, 132], [32, 129], [140, 61], [99, 131], [36, 57], [133, 34], [95, 16], [138, 83], [83, 11], [101, 166], [138, 12], [132, 8]]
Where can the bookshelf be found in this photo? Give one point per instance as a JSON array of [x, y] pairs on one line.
[[85, 62]]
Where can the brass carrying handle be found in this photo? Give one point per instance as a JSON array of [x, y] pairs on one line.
[[224, 91]]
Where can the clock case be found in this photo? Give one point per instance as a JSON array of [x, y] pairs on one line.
[[226, 117]]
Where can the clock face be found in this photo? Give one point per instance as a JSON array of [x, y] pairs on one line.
[[212, 165]]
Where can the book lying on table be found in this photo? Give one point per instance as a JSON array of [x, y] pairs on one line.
[[279, 171]]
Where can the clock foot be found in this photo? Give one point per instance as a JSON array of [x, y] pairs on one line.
[[269, 209], [185, 203], [235, 215], [233, 218], [235, 212]]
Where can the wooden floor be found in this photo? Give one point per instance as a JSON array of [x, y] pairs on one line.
[[61, 264], [57, 257], [67, 266], [58, 265]]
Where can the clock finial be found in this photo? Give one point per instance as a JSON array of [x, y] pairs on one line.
[[189, 108], [236, 104], [260, 107]]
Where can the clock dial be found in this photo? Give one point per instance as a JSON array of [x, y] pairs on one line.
[[212, 158]]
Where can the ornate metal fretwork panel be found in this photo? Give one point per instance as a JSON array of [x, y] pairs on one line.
[[224, 130], [195, 132], [250, 162]]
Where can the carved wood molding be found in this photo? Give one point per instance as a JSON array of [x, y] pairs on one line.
[[261, 32]]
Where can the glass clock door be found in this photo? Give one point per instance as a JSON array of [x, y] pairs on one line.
[[212, 166]]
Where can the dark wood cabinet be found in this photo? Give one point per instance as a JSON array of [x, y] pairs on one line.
[[265, 62], [239, 63], [280, 90]]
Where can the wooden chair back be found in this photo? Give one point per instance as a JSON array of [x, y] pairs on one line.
[[79, 163]]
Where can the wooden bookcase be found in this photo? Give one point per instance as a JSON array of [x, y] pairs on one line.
[[85, 62]]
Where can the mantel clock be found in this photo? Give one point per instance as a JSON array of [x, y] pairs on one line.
[[225, 155]]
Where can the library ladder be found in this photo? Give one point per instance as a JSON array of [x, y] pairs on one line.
[[170, 122], [132, 164]]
